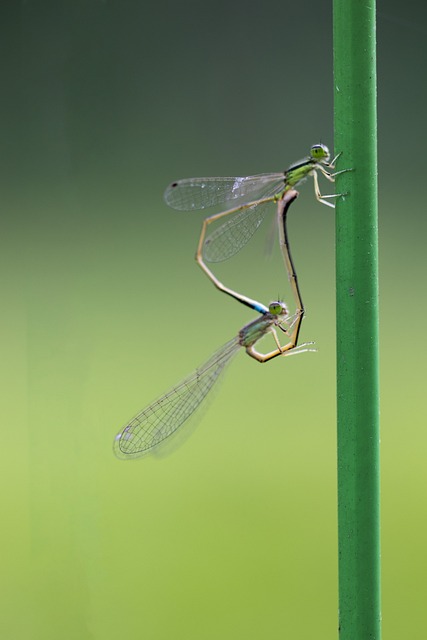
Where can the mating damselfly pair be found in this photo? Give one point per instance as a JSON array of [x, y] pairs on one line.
[[152, 428]]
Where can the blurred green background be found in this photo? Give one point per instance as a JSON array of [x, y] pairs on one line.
[[234, 534]]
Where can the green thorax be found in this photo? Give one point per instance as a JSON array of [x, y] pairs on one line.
[[256, 329], [299, 171]]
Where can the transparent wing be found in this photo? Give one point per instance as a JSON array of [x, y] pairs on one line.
[[200, 193], [229, 238], [152, 426]]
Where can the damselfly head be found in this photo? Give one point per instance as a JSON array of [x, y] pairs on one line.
[[278, 308], [320, 152]]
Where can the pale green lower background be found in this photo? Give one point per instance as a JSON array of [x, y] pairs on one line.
[[233, 536]]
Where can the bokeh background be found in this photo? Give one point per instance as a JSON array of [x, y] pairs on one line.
[[103, 308]]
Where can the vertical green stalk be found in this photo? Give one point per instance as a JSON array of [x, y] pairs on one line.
[[357, 321]]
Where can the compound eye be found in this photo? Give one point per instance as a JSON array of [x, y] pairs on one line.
[[319, 152], [276, 308]]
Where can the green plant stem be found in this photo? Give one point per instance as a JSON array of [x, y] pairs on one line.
[[357, 321]]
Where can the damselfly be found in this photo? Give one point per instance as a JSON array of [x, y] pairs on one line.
[[253, 196], [151, 429]]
